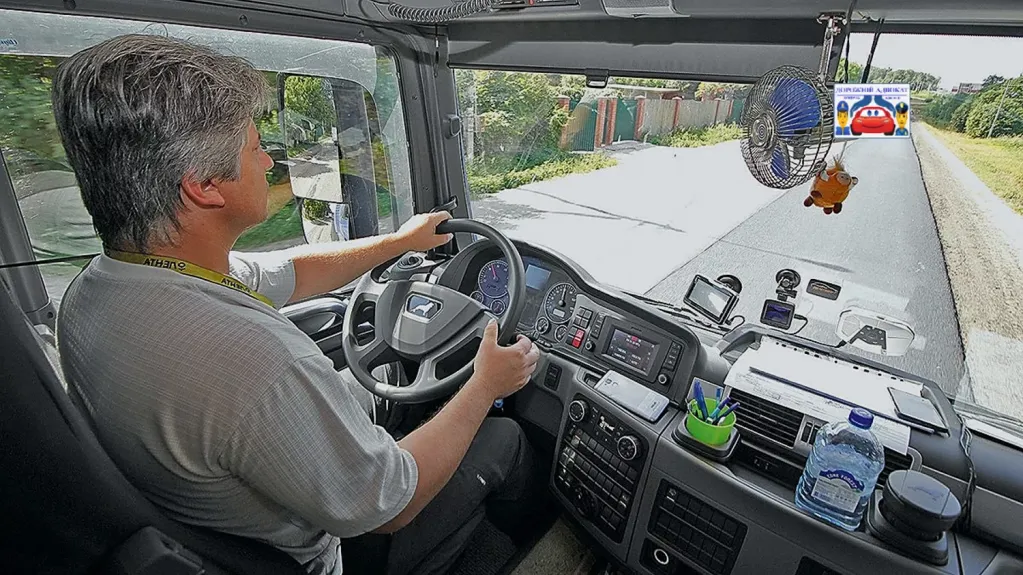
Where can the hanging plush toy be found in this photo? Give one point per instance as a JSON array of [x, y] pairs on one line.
[[831, 187]]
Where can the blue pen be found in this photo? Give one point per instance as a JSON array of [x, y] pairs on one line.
[[726, 411], [717, 396], [698, 394], [718, 408]]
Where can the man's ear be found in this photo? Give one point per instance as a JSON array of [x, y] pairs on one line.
[[203, 195]]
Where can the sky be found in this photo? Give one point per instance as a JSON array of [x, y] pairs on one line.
[[953, 58]]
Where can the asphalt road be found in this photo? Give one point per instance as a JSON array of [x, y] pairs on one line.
[[632, 224], [883, 249]]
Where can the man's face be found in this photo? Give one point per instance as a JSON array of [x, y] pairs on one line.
[[248, 194], [902, 118], [843, 118]]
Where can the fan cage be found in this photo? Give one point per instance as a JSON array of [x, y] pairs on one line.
[[804, 154]]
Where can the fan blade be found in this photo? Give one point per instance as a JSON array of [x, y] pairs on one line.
[[796, 107]]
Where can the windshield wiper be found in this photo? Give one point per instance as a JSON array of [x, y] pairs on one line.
[[683, 313]]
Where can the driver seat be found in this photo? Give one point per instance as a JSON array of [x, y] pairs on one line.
[[64, 505]]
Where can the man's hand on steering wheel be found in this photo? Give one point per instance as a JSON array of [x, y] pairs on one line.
[[501, 371], [429, 323], [419, 233]]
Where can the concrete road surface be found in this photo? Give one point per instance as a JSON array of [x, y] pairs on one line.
[[883, 250], [633, 224]]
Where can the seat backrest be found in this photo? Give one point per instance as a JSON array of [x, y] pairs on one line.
[[64, 505]]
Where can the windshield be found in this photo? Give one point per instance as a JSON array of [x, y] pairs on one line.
[[643, 183]]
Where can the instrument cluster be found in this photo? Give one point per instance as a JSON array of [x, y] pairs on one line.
[[550, 296]]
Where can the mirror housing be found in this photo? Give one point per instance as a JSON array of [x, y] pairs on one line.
[[873, 332], [328, 127]]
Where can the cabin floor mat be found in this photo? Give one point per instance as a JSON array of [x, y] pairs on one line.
[[559, 552], [487, 552]]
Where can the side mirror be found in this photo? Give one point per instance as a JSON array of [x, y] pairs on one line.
[[328, 127]]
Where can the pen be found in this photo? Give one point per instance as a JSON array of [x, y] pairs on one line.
[[717, 396], [726, 411], [698, 394], [718, 409]]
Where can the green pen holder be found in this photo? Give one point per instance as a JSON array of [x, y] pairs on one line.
[[705, 433]]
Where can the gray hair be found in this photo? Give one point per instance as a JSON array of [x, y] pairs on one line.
[[136, 114]]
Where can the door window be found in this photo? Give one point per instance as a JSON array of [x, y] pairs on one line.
[[59, 225]]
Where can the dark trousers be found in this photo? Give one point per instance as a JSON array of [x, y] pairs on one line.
[[495, 480]]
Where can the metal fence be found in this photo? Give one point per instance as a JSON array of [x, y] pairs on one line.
[[598, 122]]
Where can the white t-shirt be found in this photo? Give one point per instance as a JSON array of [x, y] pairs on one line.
[[223, 412]]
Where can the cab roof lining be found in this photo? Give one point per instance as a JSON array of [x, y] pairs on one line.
[[666, 48]]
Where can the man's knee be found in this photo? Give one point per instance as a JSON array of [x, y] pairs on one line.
[[500, 451]]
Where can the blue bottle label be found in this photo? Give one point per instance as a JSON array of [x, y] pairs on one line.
[[839, 489]]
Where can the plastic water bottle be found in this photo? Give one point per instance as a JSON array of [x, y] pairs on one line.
[[842, 470]]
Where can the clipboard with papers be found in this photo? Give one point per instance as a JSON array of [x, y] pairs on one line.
[[824, 388]]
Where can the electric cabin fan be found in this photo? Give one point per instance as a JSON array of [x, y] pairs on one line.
[[788, 126]]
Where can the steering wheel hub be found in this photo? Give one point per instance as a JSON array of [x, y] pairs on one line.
[[426, 323]]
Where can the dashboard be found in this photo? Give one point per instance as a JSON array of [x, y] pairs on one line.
[[660, 507], [569, 314]]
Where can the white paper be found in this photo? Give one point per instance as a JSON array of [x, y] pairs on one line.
[[894, 436], [839, 380]]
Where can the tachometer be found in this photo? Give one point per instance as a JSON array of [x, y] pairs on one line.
[[493, 280], [560, 302]]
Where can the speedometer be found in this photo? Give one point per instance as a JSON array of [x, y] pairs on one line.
[[493, 279], [560, 302]]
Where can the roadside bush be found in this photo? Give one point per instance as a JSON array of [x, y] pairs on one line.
[[696, 137], [958, 120], [1010, 120], [941, 108], [315, 210], [487, 178]]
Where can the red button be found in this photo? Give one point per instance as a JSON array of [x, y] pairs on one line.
[[577, 340]]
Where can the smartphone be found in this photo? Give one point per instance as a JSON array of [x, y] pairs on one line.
[[916, 409]]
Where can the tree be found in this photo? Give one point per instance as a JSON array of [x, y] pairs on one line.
[[26, 113], [311, 97], [992, 80], [716, 90], [986, 105], [514, 111]]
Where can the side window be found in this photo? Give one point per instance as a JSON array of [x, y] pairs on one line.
[[60, 227]]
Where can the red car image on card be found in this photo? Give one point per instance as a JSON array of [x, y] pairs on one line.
[[872, 120]]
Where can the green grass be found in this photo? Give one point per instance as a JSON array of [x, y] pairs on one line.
[[696, 137], [507, 173], [998, 162], [283, 225]]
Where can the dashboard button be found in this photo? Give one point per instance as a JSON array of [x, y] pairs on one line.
[[577, 339], [590, 346], [662, 379]]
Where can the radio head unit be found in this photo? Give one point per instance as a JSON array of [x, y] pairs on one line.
[[638, 352]]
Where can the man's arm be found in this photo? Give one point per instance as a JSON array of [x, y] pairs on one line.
[[440, 444], [320, 268]]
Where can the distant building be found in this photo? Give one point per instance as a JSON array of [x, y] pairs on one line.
[[967, 88]]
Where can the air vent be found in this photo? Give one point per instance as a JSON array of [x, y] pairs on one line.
[[893, 462], [767, 419], [698, 532]]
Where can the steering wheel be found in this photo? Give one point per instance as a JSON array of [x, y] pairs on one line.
[[426, 323]]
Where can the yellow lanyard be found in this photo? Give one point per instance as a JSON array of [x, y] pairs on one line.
[[188, 269]]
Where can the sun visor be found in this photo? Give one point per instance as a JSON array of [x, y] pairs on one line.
[[712, 51]]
